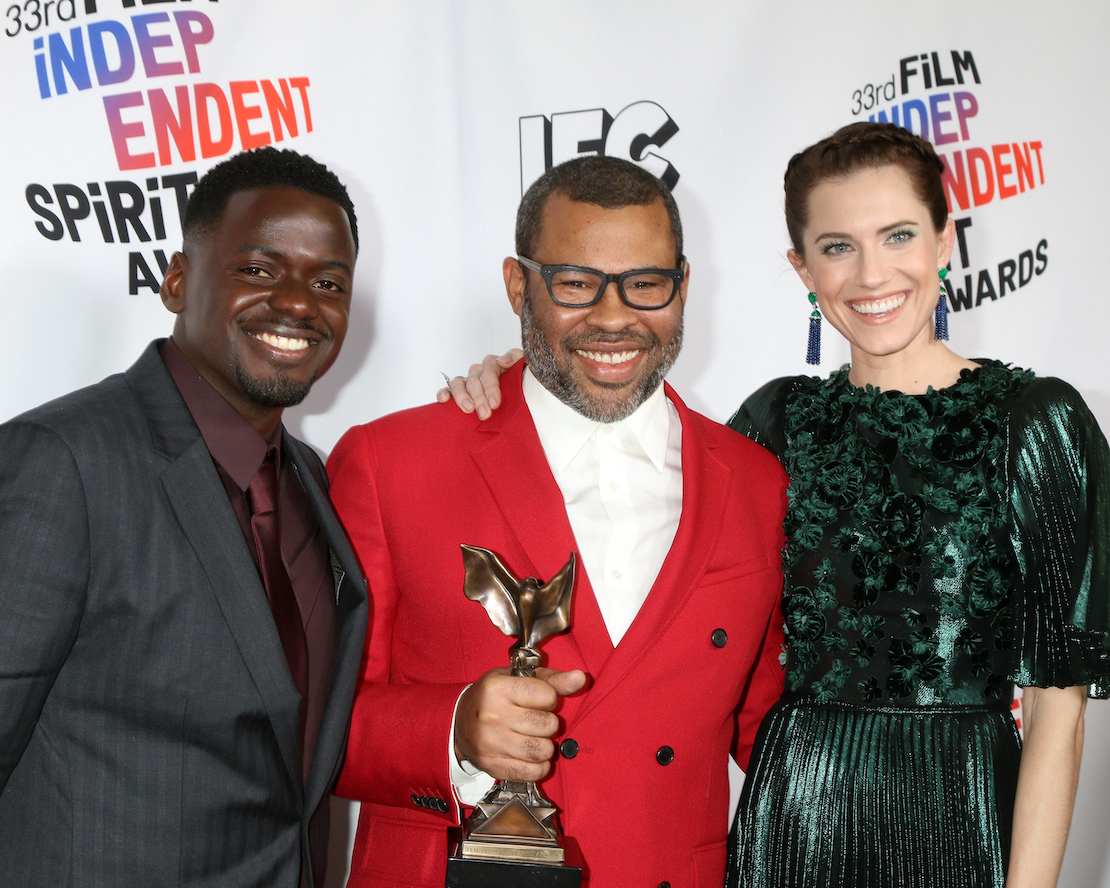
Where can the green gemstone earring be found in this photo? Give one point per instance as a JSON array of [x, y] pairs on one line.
[[813, 352], [940, 320]]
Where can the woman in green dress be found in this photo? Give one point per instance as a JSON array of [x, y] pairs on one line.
[[948, 536]]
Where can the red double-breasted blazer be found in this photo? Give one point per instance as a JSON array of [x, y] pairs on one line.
[[646, 791]]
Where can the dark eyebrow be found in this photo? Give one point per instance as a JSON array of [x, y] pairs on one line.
[[278, 254]]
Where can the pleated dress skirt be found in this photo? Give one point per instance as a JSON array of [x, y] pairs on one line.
[[877, 797]]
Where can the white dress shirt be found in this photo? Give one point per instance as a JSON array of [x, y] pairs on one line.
[[622, 487]]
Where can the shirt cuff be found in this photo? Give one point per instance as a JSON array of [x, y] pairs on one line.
[[470, 783]]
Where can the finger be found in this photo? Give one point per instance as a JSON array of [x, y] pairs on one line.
[[476, 389], [507, 768], [490, 380], [459, 393], [533, 724], [531, 693], [509, 358], [564, 683]]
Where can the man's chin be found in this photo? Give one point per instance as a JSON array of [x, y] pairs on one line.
[[273, 391], [605, 401]]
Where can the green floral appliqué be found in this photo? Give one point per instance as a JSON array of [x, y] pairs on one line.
[[895, 518]]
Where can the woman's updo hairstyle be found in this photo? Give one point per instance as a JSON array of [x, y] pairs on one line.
[[860, 146]]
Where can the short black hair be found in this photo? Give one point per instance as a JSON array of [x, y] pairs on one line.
[[608, 182], [265, 167]]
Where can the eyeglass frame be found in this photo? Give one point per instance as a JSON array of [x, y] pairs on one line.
[[547, 272]]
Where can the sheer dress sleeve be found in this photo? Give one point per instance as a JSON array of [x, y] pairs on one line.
[[762, 416], [1059, 499]]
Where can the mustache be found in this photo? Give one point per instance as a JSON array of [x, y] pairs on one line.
[[291, 323], [600, 337]]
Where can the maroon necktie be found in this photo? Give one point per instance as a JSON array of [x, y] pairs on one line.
[[279, 590]]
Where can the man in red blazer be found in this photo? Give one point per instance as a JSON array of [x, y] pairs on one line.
[[677, 524]]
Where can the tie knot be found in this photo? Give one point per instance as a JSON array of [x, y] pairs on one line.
[[263, 487]]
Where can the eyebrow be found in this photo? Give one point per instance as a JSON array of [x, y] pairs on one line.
[[885, 229], [278, 254]]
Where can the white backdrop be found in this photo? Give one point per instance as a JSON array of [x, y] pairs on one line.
[[432, 112]]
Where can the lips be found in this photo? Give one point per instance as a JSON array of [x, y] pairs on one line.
[[282, 343], [621, 357], [880, 306], [283, 338]]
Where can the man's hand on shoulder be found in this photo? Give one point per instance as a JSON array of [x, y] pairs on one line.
[[504, 723]]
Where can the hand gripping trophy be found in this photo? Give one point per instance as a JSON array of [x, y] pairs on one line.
[[514, 822]]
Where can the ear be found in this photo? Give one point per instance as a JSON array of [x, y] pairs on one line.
[[685, 283], [947, 241], [798, 261], [514, 283], [173, 283]]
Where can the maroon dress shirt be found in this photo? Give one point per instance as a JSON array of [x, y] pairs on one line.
[[237, 449]]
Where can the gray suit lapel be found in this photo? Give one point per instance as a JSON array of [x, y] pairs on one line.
[[351, 615], [200, 503]]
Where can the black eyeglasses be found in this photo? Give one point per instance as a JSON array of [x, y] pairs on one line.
[[574, 286]]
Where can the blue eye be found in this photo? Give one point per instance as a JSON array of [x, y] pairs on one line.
[[836, 248], [902, 236]]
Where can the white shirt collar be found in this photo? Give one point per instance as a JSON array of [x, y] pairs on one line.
[[563, 431]]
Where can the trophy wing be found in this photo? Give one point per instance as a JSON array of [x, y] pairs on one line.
[[489, 583], [553, 607]]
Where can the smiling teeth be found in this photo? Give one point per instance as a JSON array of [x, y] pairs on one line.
[[878, 306], [609, 357], [284, 343]]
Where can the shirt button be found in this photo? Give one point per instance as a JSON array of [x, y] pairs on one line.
[[614, 486], [665, 755], [415, 799], [569, 748], [616, 575], [720, 638], [664, 885]]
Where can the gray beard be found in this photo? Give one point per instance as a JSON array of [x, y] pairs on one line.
[[541, 360]]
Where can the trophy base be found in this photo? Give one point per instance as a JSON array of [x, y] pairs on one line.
[[511, 852], [473, 872]]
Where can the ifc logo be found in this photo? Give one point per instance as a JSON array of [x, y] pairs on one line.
[[630, 134]]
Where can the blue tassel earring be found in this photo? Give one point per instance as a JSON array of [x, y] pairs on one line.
[[941, 331], [813, 352]]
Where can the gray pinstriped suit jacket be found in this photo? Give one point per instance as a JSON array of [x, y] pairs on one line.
[[148, 720]]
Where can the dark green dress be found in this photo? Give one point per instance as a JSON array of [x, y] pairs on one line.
[[941, 547]]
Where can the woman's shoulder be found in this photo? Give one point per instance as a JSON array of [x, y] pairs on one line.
[[762, 416], [1032, 399]]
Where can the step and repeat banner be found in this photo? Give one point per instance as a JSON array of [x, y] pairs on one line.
[[438, 114]]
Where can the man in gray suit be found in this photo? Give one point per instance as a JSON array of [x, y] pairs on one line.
[[181, 618]]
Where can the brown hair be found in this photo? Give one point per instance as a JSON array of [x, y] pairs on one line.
[[856, 147]]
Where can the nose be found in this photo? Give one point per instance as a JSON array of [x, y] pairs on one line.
[[611, 313], [871, 269], [295, 298]]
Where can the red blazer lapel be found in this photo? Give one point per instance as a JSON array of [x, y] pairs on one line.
[[514, 466], [705, 486]]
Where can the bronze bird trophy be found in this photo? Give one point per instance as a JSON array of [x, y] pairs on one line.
[[512, 837]]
